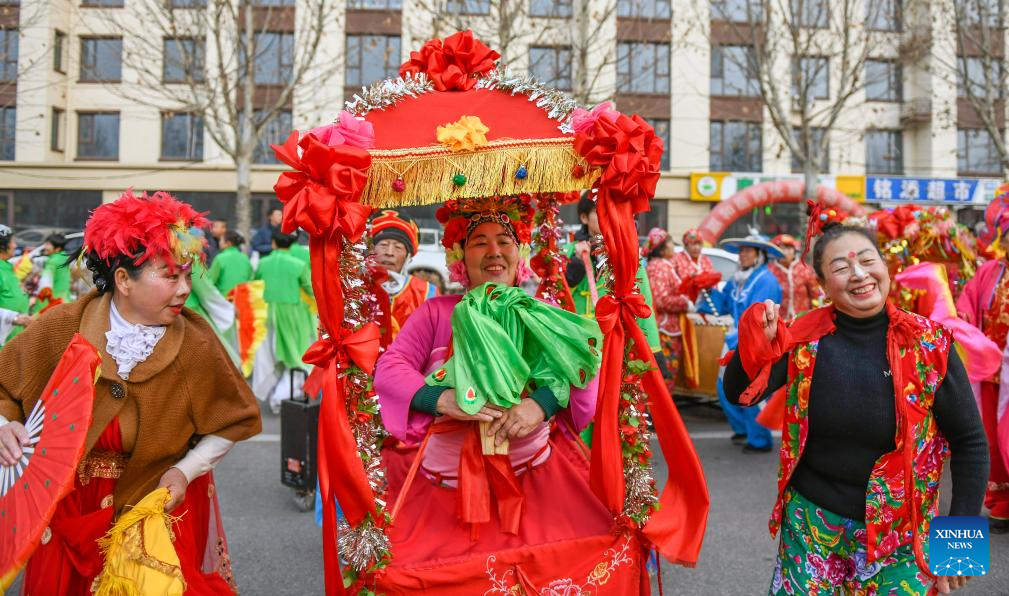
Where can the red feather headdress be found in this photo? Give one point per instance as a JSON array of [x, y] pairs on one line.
[[145, 227]]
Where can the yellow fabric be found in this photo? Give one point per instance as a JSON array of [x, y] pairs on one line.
[[23, 267], [139, 556], [465, 134], [260, 311]]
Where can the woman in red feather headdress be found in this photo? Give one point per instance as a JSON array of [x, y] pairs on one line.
[[169, 403]]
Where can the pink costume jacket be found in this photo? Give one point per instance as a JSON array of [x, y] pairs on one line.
[[420, 347], [978, 293]]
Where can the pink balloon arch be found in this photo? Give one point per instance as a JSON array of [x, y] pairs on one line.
[[778, 191]]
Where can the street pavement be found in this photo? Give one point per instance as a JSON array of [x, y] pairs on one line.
[[277, 550]]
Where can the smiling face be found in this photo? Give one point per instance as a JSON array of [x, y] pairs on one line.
[[491, 255], [855, 277], [155, 294]]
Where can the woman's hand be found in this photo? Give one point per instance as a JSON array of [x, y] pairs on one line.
[[770, 322], [945, 585], [22, 320], [175, 481], [13, 437], [517, 422], [447, 406]]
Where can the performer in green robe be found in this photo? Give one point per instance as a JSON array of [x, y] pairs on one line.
[[231, 266], [211, 304], [578, 280], [13, 300], [290, 331], [55, 272]]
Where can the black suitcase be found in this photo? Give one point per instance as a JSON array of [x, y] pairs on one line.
[[299, 439]]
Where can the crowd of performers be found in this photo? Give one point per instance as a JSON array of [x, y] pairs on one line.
[[508, 443]]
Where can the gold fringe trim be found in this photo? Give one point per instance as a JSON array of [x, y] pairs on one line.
[[428, 173]]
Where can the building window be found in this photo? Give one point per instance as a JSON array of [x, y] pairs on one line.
[[812, 75], [98, 135], [644, 9], [183, 59], [816, 136], [811, 13], [188, 3], [883, 80], [472, 7], [181, 137], [8, 135], [372, 58], [983, 75], [883, 15], [976, 12], [554, 9], [737, 11], [9, 58], [102, 3], [275, 132], [642, 67], [59, 51], [976, 153], [736, 147], [661, 126], [733, 71], [884, 152], [101, 59], [551, 66], [274, 62], [375, 4], [56, 138], [272, 2]]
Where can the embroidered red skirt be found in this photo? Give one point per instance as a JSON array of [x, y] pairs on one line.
[[566, 542], [68, 560]]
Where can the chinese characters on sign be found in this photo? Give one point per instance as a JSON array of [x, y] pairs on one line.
[[957, 190]]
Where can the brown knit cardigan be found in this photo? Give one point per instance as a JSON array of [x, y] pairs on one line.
[[187, 388]]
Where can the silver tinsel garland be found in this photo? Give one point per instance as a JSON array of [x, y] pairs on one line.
[[557, 104], [366, 545], [384, 94]]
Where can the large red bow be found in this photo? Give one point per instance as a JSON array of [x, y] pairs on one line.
[[453, 65], [630, 307], [629, 153], [359, 347], [322, 196]]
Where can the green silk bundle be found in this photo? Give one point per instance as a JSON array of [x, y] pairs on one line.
[[505, 342]]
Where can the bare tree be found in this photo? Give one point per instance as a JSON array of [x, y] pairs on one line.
[[583, 28], [237, 65], [803, 59], [977, 65], [15, 63]]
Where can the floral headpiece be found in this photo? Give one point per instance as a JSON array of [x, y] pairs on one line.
[[656, 238], [692, 235], [145, 227], [461, 216], [820, 216]]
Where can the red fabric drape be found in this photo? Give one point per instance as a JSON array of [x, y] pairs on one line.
[[628, 151], [321, 196]]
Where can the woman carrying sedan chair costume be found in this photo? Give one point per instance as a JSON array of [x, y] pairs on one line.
[[454, 130]]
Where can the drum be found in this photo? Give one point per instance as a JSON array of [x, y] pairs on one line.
[[709, 335]]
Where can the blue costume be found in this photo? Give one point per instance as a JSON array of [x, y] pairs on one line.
[[733, 300]]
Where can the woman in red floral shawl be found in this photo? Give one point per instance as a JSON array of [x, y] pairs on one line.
[[667, 300], [888, 403]]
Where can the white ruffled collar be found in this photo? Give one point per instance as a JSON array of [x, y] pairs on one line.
[[130, 344]]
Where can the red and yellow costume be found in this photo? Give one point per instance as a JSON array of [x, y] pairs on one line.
[[797, 280], [985, 304], [407, 296]]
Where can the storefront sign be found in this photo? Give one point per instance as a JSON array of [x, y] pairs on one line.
[[964, 191]]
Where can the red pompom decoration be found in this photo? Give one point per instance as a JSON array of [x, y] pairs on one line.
[[452, 65]]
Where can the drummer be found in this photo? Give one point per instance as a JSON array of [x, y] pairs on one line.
[[751, 283]]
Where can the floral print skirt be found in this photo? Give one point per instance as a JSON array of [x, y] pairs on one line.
[[822, 552]]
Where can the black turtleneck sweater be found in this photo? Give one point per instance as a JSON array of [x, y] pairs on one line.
[[853, 419]]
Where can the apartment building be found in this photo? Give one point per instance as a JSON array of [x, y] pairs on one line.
[[71, 134]]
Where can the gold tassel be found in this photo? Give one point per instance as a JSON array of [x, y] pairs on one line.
[[113, 585], [428, 174]]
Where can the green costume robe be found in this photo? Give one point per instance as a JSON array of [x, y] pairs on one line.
[[230, 268], [289, 317], [12, 297], [58, 275], [210, 304]]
